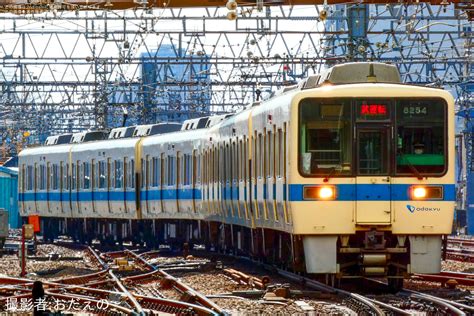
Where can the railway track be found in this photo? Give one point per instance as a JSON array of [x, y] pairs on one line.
[[134, 282], [108, 288], [446, 277], [460, 249]]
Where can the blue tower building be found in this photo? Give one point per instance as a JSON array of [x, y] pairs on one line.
[[175, 86]]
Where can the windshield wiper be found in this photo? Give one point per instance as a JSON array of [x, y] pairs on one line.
[[326, 178], [413, 169]]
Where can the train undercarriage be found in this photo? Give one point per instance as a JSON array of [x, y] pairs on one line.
[[369, 253]]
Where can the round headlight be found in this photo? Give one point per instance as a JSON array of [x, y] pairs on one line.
[[419, 193], [326, 193]]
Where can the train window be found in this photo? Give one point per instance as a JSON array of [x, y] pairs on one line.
[[29, 178], [42, 177], [372, 151], [92, 175], [271, 154], [118, 166], [161, 165], [183, 165], [171, 170], [155, 172], [54, 177], [61, 175], [48, 176], [188, 169], [131, 174], [278, 154], [196, 167], [325, 141], [97, 175], [73, 176], [165, 170], [147, 171], [110, 175], [235, 146], [179, 168], [67, 177], [86, 175], [102, 175], [80, 175], [420, 141], [143, 173]]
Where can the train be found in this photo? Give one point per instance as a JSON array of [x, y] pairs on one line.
[[347, 174]]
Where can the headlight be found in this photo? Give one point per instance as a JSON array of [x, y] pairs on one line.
[[325, 192], [419, 193], [426, 192]]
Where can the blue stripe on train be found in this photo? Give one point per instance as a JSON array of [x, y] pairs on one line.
[[371, 192], [344, 192]]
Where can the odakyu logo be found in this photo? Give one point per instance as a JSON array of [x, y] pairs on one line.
[[414, 209]]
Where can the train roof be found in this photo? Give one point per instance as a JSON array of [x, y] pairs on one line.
[[196, 123], [106, 145], [83, 137], [43, 150], [155, 129], [122, 132], [175, 137]]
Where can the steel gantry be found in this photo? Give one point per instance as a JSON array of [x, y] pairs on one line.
[[65, 71]]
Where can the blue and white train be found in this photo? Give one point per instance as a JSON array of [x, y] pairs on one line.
[[349, 173]]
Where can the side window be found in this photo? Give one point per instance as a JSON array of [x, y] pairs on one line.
[[162, 167], [48, 176], [154, 172], [196, 167], [165, 169], [29, 178], [61, 175], [80, 175], [131, 174], [102, 175], [55, 177], [67, 176], [93, 179], [42, 177], [118, 174], [73, 176], [87, 175], [147, 171], [271, 153], [278, 153], [110, 179]]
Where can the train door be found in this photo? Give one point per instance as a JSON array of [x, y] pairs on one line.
[[373, 205]]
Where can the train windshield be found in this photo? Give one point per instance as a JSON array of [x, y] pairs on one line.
[[404, 137], [325, 137], [420, 143]]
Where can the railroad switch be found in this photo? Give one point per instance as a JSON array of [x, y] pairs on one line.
[[280, 290]]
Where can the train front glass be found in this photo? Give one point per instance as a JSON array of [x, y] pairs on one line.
[[393, 137]]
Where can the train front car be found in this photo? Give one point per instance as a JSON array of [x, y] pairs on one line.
[[372, 174]]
